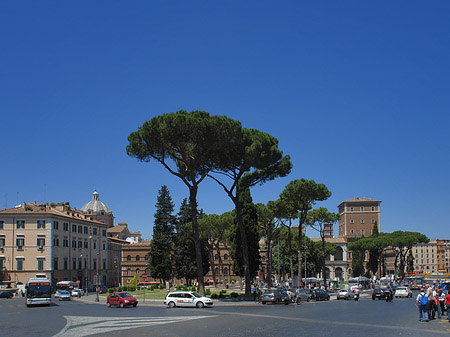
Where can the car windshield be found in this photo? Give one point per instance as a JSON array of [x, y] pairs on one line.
[[64, 292], [123, 295], [195, 295], [401, 288], [266, 292]]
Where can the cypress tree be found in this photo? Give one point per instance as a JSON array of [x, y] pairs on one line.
[[160, 261]]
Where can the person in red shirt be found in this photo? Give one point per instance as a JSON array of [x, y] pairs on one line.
[[447, 304]]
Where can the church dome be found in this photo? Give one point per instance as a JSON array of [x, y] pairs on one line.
[[95, 205]]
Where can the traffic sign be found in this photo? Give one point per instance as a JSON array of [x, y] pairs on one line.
[[144, 276]]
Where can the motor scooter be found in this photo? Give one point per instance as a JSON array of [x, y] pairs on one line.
[[356, 297]]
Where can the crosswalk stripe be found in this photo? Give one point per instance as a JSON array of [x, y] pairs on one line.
[[79, 326]]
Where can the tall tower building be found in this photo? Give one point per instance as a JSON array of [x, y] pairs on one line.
[[358, 217]]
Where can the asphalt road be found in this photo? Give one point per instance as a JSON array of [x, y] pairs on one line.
[[333, 318]]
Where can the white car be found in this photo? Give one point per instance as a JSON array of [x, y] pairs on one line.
[[187, 299], [345, 294], [77, 292], [403, 292]]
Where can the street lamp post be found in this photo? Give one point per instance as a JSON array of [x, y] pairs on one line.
[[98, 261]]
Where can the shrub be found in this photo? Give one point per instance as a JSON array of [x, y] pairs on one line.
[[223, 292], [120, 289], [131, 288], [185, 288], [222, 295], [111, 290], [208, 292], [152, 287], [214, 296], [161, 287], [178, 288], [234, 295]]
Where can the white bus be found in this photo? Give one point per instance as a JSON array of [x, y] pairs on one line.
[[38, 291]]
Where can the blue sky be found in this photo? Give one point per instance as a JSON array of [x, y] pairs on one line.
[[356, 92]]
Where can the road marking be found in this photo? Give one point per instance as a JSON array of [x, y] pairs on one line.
[[309, 320], [78, 326]]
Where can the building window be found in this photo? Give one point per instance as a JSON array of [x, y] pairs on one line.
[[351, 209], [20, 224], [1, 263], [373, 209], [95, 263], [362, 221], [2, 224], [2, 241], [85, 230], [40, 242], [146, 257], [352, 231], [94, 230], [41, 224], [79, 264], [362, 231], [128, 272], [362, 209], [86, 245], [74, 228], [128, 257], [225, 257], [352, 221], [55, 264], [104, 264], [373, 220], [19, 264], [104, 246], [20, 242], [65, 243], [55, 242], [138, 258], [74, 264], [95, 245], [74, 243], [80, 229], [80, 244], [65, 227], [104, 232]]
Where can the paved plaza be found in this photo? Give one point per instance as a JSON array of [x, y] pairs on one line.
[[85, 317]]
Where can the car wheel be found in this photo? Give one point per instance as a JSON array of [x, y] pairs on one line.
[[171, 304], [200, 305], [109, 304], [134, 305], [328, 297], [299, 301], [120, 305]]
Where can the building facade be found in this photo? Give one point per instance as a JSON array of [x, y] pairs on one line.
[[58, 242], [358, 217]]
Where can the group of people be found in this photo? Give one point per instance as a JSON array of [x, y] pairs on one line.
[[433, 301]]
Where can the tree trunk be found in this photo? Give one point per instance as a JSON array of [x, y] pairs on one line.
[[291, 261], [245, 257], [300, 230], [198, 250], [269, 262]]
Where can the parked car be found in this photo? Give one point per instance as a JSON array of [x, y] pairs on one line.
[[187, 299], [380, 293], [77, 292], [403, 292], [6, 294], [272, 295], [345, 294], [302, 295], [64, 295], [320, 295], [121, 299]]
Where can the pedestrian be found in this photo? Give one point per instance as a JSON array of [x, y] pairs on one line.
[[430, 308], [421, 303], [447, 304], [437, 305], [442, 300], [254, 292]]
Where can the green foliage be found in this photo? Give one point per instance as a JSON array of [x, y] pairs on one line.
[[161, 287], [223, 291], [131, 288], [152, 287], [234, 295], [184, 249], [208, 292], [160, 262], [214, 296], [110, 290], [357, 263], [120, 289], [185, 288], [178, 288]]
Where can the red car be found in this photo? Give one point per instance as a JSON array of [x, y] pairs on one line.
[[121, 299]]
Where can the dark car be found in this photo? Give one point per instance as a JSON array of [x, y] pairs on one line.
[[320, 295], [6, 294], [122, 299], [380, 293]]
